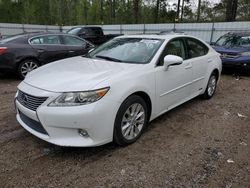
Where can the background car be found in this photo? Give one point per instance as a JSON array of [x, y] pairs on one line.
[[25, 52], [235, 50], [113, 92], [93, 34]]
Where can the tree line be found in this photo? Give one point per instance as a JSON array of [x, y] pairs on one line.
[[81, 12]]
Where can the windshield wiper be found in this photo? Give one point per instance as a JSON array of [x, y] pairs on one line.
[[108, 58]]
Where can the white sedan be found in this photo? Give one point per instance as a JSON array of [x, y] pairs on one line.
[[116, 90]]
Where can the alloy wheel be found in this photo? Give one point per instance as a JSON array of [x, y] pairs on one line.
[[133, 121], [211, 85], [28, 67]]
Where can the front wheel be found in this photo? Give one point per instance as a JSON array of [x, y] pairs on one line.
[[131, 120], [26, 66], [211, 86]]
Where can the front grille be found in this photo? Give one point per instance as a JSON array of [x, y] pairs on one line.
[[29, 101], [229, 56], [35, 125]]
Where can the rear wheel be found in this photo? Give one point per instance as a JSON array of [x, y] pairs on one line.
[[26, 66], [130, 121], [211, 86]]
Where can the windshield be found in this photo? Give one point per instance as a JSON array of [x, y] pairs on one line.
[[128, 50], [233, 40], [74, 31]]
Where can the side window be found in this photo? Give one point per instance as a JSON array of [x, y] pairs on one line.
[[50, 39], [244, 41], [196, 48], [88, 31], [35, 40], [174, 47], [68, 40], [82, 31]]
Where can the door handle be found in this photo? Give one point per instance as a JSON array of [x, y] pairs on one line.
[[71, 51], [188, 66], [209, 60], [40, 50]]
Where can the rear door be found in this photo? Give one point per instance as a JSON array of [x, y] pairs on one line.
[[48, 48], [75, 46], [199, 58]]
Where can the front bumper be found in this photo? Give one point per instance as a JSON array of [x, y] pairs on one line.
[[62, 124], [240, 63]]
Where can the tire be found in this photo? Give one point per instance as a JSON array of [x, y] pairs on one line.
[[211, 86], [26, 66], [127, 128]]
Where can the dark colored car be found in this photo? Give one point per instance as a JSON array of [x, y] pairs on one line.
[[25, 52], [235, 50], [93, 34]]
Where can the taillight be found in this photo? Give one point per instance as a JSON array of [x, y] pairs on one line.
[[2, 50]]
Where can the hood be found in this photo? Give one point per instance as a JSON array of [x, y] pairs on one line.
[[231, 50], [74, 74]]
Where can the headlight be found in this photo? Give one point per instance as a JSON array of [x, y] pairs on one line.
[[245, 53], [79, 98]]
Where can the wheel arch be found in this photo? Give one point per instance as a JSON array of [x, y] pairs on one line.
[[27, 58], [147, 99], [208, 74], [18, 64], [217, 73]]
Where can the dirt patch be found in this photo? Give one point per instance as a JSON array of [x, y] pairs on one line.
[[186, 147]]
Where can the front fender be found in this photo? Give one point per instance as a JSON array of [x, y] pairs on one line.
[[123, 86]]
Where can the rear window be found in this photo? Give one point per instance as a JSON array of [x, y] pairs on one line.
[[86, 31], [14, 39], [94, 31], [74, 31]]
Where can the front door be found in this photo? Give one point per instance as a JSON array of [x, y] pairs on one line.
[[75, 46], [173, 86]]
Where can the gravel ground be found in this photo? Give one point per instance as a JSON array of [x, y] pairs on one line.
[[199, 144]]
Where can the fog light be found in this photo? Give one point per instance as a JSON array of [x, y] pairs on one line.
[[83, 133]]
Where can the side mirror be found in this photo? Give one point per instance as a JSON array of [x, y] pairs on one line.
[[89, 46], [85, 45], [171, 60]]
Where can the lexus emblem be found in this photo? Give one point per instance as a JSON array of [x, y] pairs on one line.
[[223, 55], [24, 98]]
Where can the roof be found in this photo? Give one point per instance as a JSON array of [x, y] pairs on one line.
[[33, 34], [25, 36], [85, 27], [155, 36], [245, 33]]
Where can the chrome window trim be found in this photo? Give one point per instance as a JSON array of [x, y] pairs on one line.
[[44, 35], [60, 39]]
